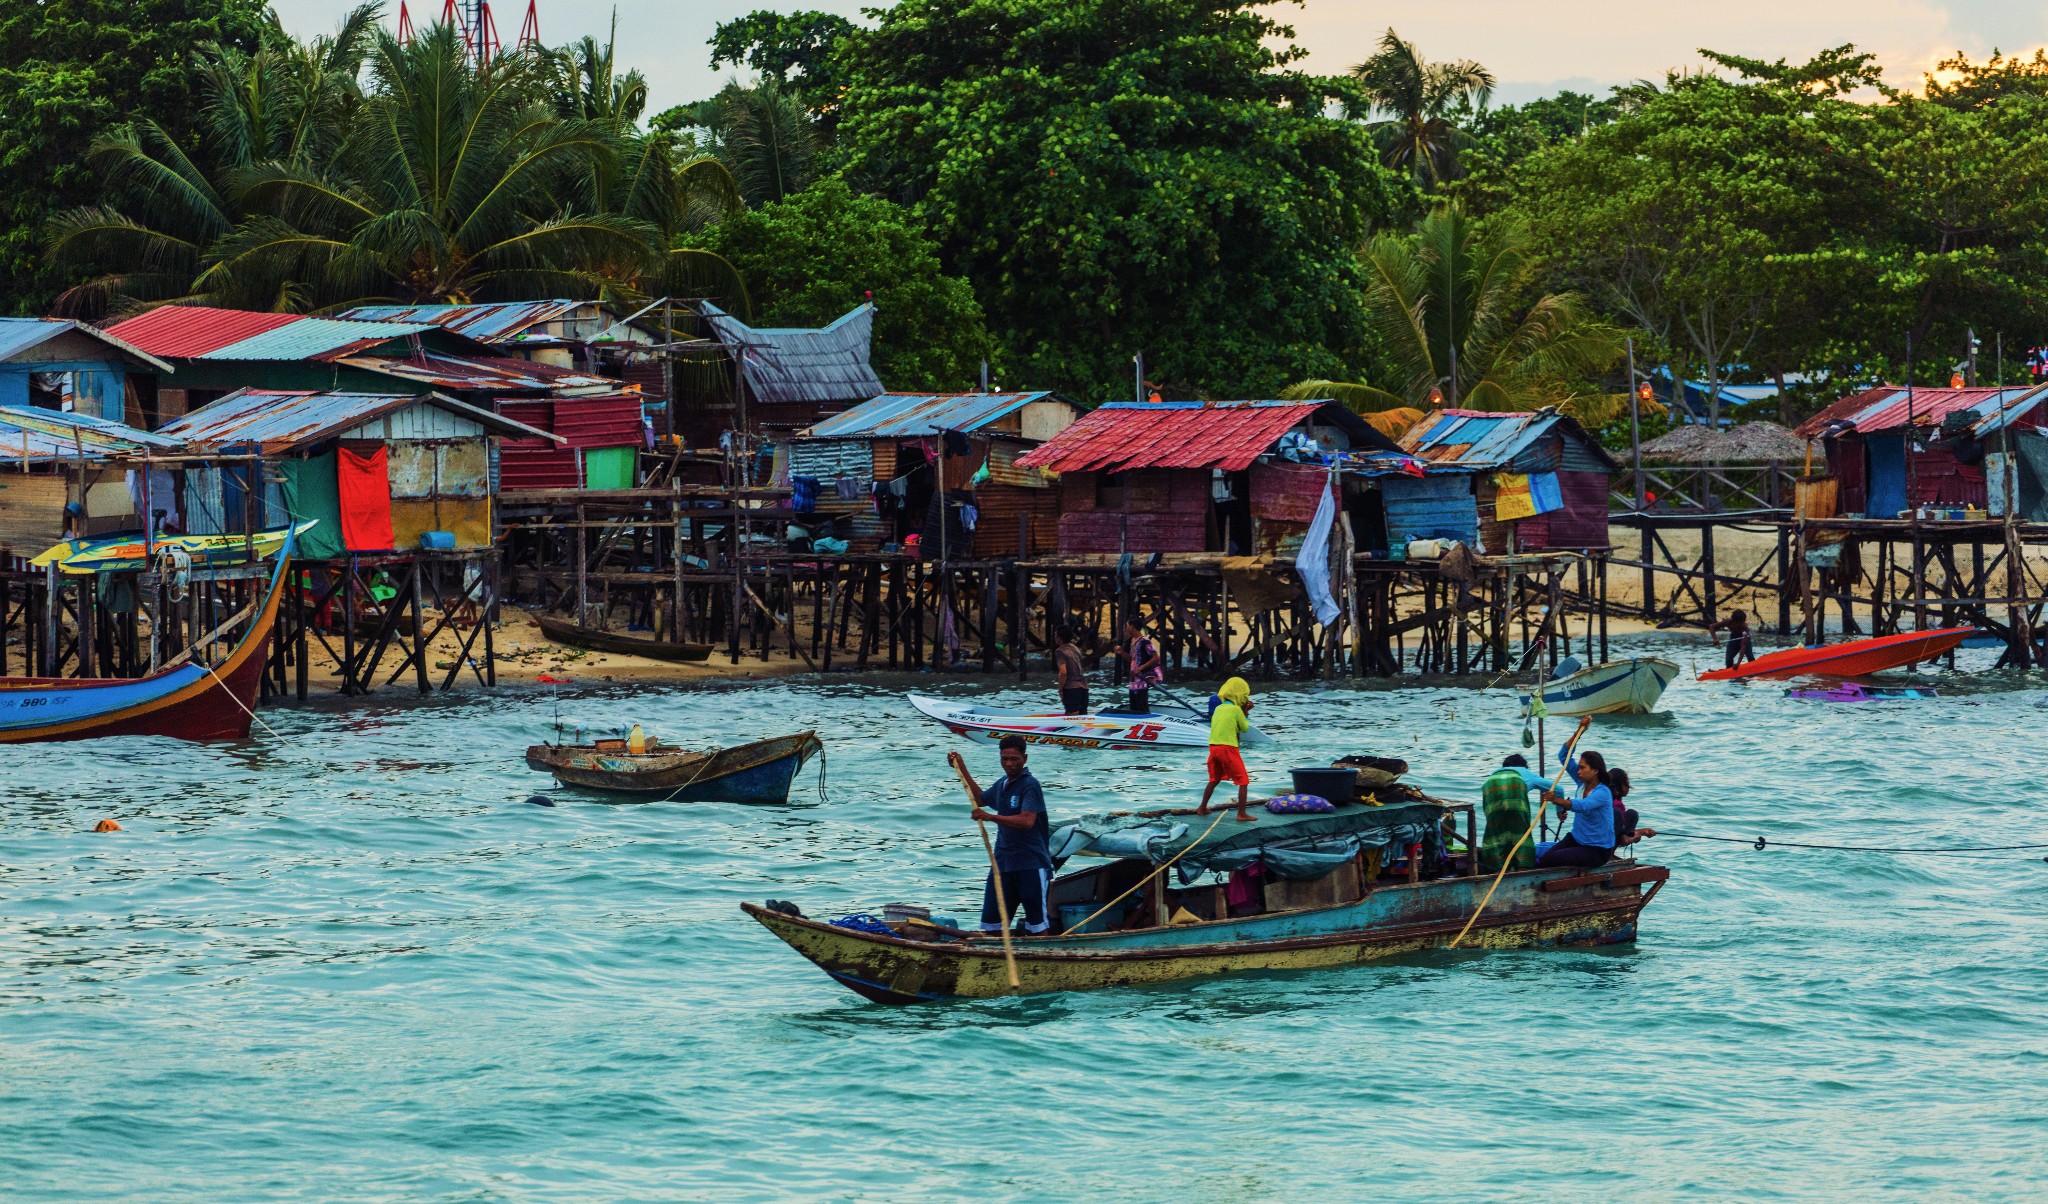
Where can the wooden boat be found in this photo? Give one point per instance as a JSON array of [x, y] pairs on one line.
[[81, 556], [1342, 919], [186, 701], [1857, 691], [562, 631], [1104, 729], [1624, 687], [1857, 658], [760, 772]]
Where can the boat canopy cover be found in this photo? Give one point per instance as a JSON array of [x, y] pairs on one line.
[[1299, 846]]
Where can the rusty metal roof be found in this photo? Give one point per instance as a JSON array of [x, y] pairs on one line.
[[479, 373], [38, 434], [496, 322], [787, 365], [1887, 408], [283, 420], [188, 331], [909, 415], [1481, 439], [1187, 434]]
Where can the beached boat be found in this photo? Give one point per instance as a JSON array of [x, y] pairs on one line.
[[1104, 729], [113, 552], [1857, 658], [1325, 902], [760, 772], [1624, 687], [187, 701], [562, 631]]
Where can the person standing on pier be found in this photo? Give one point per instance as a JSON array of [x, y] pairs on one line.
[[1023, 849], [1147, 669], [1072, 677]]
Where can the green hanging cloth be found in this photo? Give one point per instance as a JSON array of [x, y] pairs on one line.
[[310, 493]]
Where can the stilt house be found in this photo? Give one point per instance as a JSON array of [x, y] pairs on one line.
[[1893, 449], [1514, 482]]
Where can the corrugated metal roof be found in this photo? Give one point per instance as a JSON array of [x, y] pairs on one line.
[[491, 373], [496, 322], [281, 420], [1174, 434], [828, 364], [55, 434], [187, 331], [1481, 440], [910, 415], [19, 334], [1887, 407], [315, 339]]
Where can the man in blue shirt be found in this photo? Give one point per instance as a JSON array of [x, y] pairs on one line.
[[1016, 805]]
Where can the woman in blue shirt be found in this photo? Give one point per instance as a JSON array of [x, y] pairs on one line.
[[1591, 840]]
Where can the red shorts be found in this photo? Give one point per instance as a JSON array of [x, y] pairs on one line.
[[1226, 764]]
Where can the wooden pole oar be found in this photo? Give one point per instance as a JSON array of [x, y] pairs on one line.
[[1542, 806], [995, 875]]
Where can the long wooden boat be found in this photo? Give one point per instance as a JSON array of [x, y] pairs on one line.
[[1104, 729], [187, 701], [1355, 920], [1853, 659], [562, 631], [760, 772], [81, 556], [1623, 687]]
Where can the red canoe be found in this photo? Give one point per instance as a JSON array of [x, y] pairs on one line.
[[1853, 659]]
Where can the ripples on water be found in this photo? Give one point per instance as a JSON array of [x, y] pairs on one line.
[[356, 965]]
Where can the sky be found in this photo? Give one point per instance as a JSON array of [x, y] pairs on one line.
[[1533, 49]]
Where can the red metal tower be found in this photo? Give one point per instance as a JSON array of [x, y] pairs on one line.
[[479, 29]]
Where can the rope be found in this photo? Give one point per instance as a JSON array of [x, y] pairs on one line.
[[1541, 807], [1760, 842], [229, 691], [1158, 873]]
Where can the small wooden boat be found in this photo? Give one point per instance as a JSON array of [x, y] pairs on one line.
[[1342, 918], [1857, 658], [81, 556], [1624, 687], [760, 772], [562, 631], [1104, 729], [186, 701]]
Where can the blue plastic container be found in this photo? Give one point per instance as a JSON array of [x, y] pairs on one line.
[[437, 541]]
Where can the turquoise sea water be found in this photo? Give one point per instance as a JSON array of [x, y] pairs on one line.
[[356, 965]]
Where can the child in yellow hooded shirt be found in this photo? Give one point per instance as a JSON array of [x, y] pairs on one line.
[[1227, 723]]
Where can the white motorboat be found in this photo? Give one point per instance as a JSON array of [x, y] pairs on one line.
[[1104, 729], [1624, 687]]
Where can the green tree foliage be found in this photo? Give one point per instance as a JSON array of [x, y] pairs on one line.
[[1417, 103], [765, 139], [794, 50], [1121, 177], [1453, 312], [68, 70], [1500, 138], [811, 257]]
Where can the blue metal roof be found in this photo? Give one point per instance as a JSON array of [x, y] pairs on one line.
[[494, 322], [315, 338], [19, 334], [909, 415], [284, 419], [36, 433], [784, 365], [1485, 440]]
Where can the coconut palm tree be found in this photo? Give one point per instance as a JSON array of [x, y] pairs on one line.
[[768, 140], [287, 102], [1415, 101], [1452, 310]]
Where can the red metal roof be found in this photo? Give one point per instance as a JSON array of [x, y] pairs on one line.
[[189, 331], [1178, 434], [1886, 407]]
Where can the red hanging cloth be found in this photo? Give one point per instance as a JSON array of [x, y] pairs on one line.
[[364, 483]]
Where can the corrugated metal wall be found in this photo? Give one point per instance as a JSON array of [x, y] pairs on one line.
[[1579, 527], [1287, 491], [1438, 506], [416, 422], [830, 459]]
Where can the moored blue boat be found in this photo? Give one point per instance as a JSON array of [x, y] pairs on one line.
[[760, 772]]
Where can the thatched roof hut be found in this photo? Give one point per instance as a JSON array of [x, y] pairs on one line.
[[1750, 443]]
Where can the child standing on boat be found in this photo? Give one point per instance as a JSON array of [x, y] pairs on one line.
[[1737, 624], [1147, 669], [1227, 724]]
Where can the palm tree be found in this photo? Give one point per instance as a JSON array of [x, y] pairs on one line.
[[1451, 310], [1417, 99], [288, 102], [768, 140], [447, 188]]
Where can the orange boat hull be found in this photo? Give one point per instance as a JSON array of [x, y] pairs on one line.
[[1853, 659]]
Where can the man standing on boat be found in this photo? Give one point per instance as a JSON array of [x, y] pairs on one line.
[[1016, 805], [1147, 667], [1073, 677]]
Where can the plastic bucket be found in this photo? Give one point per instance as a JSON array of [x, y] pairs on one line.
[[1073, 913], [1337, 785]]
